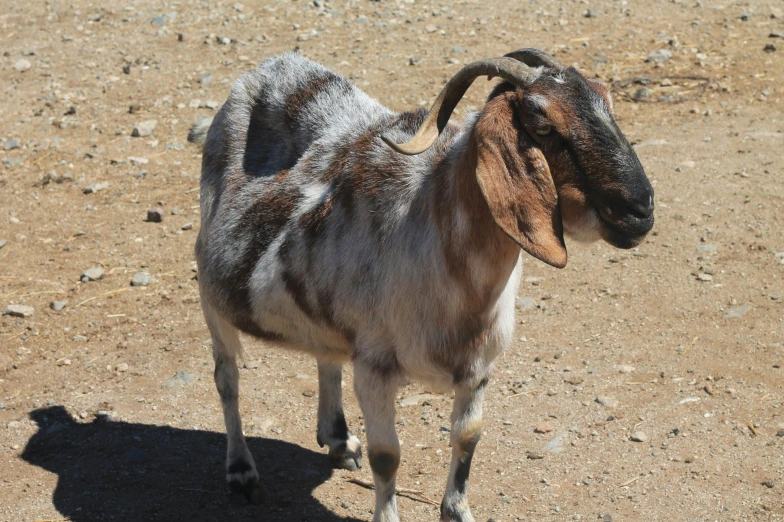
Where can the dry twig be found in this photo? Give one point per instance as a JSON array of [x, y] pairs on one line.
[[111, 292], [410, 493]]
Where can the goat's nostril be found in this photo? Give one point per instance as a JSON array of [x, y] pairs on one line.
[[642, 209]]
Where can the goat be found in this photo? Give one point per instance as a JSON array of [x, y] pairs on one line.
[[320, 232]]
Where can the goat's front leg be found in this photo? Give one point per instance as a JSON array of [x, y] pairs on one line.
[[345, 450], [376, 395], [466, 430]]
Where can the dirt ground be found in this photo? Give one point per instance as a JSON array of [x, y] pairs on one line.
[[107, 407]]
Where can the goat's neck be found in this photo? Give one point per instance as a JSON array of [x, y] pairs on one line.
[[477, 251]]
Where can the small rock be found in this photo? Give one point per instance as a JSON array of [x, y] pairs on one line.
[[642, 94], [138, 160], [659, 56], [144, 129], [22, 65], [181, 378], [57, 305], [557, 444], [704, 277], [430, 28], [251, 365], [780, 433], [11, 144], [205, 78], [3, 242], [122, 367], [534, 455], [187, 226], [141, 279], [64, 362], [544, 427], [96, 187], [776, 34], [769, 484], [690, 459], [605, 400], [625, 368], [79, 339], [155, 215], [769, 48], [413, 400], [736, 312], [158, 21], [92, 274], [526, 303], [134, 108], [607, 518], [414, 60], [16, 310], [638, 436], [308, 393]]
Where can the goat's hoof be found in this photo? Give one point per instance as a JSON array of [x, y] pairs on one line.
[[347, 455], [244, 479]]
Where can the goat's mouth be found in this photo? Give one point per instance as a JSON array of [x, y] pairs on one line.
[[624, 231]]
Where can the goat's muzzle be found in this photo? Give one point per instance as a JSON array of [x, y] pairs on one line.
[[627, 215]]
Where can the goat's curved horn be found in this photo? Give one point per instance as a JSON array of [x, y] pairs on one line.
[[511, 70], [535, 58]]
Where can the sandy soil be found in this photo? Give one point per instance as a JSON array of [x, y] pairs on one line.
[[681, 337]]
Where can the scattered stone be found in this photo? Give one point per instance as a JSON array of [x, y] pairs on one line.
[[638, 436], [64, 362], [534, 455], [187, 226], [158, 21], [205, 78], [557, 444], [3, 242], [12, 162], [122, 367], [144, 129], [16, 310], [526, 303], [769, 484], [709, 389], [689, 459], [308, 393], [736, 312], [607, 518], [625, 368], [57, 305], [181, 378], [138, 160], [780, 433], [430, 28], [605, 400], [79, 339], [707, 248], [592, 13], [96, 187], [251, 365], [134, 108], [155, 215], [141, 279], [704, 277], [776, 34], [660, 56], [769, 48], [11, 144], [209, 104], [92, 274], [544, 427], [642, 94], [22, 65], [414, 60]]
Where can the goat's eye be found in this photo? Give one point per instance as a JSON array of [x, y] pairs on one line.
[[544, 131]]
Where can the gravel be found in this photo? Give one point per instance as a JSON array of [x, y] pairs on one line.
[[144, 128], [638, 436], [141, 279], [92, 188], [11, 144], [155, 215], [57, 305], [607, 401], [22, 65]]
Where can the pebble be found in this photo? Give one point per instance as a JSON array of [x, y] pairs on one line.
[[3, 242], [187, 226], [413, 400], [22, 65], [769, 484], [141, 279], [414, 60], [544, 427], [689, 459], [11, 144], [638, 436], [205, 78], [605, 400], [660, 56], [557, 444], [704, 277], [625, 368], [607, 518], [79, 339], [155, 215], [736, 312], [92, 274], [16, 310], [122, 367], [251, 365], [526, 303], [144, 129], [780, 433], [64, 362], [158, 21], [96, 187], [138, 160], [181, 378], [641, 94]]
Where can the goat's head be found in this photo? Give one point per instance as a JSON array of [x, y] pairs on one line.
[[548, 155]]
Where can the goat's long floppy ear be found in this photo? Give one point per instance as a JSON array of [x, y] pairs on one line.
[[603, 90], [515, 180]]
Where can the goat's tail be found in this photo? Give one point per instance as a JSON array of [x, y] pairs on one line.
[[198, 132]]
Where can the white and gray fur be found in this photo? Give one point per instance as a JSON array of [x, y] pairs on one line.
[[317, 236]]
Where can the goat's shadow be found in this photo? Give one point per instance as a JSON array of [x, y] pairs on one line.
[[112, 470]]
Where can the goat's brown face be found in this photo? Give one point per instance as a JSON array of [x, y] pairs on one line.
[[602, 188]]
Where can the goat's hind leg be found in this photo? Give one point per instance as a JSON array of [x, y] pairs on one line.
[[345, 450], [241, 471]]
